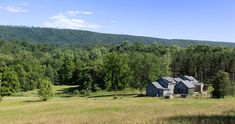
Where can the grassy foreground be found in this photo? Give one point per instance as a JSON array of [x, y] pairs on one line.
[[102, 108]]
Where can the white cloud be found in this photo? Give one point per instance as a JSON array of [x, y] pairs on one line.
[[66, 20], [73, 13], [15, 9]]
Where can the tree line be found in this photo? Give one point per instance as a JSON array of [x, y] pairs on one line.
[[23, 65]]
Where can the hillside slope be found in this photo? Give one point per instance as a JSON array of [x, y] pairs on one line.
[[68, 36]]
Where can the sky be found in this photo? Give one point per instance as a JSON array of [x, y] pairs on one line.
[[172, 19]]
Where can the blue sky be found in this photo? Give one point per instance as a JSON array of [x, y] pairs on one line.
[[181, 19]]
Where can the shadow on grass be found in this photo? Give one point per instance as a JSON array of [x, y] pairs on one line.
[[113, 95], [31, 101], [140, 95], [203, 119], [67, 90], [66, 96]]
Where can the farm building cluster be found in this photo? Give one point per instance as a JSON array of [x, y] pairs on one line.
[[168, 86]]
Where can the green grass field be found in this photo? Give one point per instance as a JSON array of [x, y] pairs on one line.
[[100, 107]]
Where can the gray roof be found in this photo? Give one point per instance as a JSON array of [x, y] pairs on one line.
[[169, 80], [197, 83], [190, 78], [158, 86], [177, 79], [188, 84]]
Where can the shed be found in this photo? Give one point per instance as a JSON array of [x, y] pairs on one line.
[[167, 82], [184, 87], [154, 89], [199, 87]]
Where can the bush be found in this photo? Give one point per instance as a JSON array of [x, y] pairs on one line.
[[0, 98], [76, 92], [85, 92], [221, 85], [115, 97], [45, 90]]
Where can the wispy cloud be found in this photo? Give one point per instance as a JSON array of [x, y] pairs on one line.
[[15, 9], [67, 20], [18, 8], [73, 13]]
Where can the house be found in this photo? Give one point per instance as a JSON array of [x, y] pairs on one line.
[[167, 86], [167, 82], [184, 87], [199, 87], [155, 89]]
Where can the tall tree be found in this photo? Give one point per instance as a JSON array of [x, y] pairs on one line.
[[166, 61], [9, 82], [145, 68], [117, 71], [67, 69]]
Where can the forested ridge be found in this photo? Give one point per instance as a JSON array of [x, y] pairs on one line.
[[24, 65], [87, 38]]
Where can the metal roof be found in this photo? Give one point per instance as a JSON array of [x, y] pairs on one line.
[[158, 86], [188, 84], [177, 79], [191, 78], [169, 80]]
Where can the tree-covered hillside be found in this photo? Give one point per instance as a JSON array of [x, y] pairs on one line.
[[24, 66], [71, 37]]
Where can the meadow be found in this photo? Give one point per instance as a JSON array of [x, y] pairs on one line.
[[101, 107]]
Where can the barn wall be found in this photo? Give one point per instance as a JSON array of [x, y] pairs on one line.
[[151, 90], [181, 88], [191, 91]]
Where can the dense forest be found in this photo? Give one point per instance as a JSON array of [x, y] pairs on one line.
[[24, 65], [87, 38]]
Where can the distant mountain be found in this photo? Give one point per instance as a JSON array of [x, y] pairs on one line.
[[68, 36]]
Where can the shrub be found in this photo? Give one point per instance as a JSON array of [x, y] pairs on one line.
[[0, 98], [45, 90], [115, 97], [76, 92]]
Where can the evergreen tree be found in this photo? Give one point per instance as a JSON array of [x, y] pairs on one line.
[[221, 85]]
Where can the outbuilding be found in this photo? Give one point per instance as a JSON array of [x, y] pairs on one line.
[[154, 89], [185, 87]]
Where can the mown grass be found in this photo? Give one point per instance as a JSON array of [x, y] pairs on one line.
[[100, 107]]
